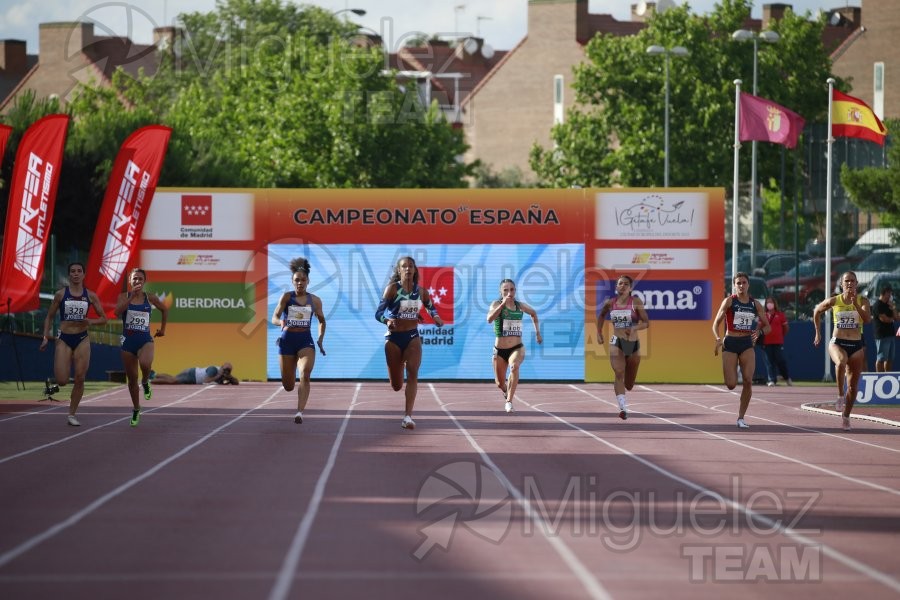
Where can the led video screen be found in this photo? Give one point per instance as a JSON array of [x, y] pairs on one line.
[[464, 280]]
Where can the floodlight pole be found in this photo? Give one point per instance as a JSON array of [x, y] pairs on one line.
[[666, 52], [770, 37]]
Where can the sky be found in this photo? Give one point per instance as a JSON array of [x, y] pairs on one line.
[[502, 23]]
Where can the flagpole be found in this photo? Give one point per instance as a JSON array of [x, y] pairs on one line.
[[737, 182], [828, 183]]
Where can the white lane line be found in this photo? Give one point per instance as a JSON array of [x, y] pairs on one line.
[[73, 436], [58, 407], [593, 587], [808, 465], [850, 562], [282, 586], [156, 577], [34, 541], [845, 437]]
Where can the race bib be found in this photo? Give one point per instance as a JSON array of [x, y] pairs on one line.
[[137, 320], [512, 328], [75, 310], [847, 320], [298, 316], [744, 321], [409, 309], [620, 318]]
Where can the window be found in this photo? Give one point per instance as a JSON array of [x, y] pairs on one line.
[[878, 90], [558, 111]]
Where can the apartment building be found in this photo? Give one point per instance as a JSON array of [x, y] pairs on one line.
[[530, 90], [71, 53]]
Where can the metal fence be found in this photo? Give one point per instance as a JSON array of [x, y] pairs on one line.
[[32, 323]]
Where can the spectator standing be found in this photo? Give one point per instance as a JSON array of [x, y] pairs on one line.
[[773, 343], [884, 314]]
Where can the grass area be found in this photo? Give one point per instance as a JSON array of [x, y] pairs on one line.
[[33, 389]]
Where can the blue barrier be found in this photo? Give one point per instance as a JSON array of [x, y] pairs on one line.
[[805, 361], [38, 366]]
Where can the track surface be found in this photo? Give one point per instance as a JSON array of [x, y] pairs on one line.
[[218, 494]]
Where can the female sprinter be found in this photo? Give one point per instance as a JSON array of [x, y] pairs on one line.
[[628, 316], [134, 308], [399, 310], [295, 346], [73, 347], [509, 352], [745, 321], [847, 349]]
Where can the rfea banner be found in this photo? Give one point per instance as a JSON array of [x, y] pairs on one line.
[[131, 185], [32, 197]]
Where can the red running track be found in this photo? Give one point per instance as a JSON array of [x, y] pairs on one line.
[[218, 494]]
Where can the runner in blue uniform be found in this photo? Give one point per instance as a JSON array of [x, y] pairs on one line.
[[509, 351], [295, 345], [134, 307], [399, 309], [745, 321], [73, 346]]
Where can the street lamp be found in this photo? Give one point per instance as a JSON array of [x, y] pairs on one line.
[[359, 12], [675, 51], [770, 37]]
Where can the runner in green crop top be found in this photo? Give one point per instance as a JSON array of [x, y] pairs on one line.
[[509, 351], [846, 347]]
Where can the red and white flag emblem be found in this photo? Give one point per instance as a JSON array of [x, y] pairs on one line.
[[196, 210], [439, 283]]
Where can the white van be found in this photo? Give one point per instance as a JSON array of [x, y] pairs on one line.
[[874, 239]]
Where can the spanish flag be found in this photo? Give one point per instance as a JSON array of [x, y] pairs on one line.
[[851, 117]]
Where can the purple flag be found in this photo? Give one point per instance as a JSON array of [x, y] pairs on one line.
[[764, 121]]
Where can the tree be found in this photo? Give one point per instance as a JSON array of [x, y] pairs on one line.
[[96, 130], [511, 177], [268, 94], [614, 136], [259, 93], [876, 189]]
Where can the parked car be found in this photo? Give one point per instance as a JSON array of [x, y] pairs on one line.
[[762, 257], [883, 260], [812, 282], [839, 246], [779, 264], [874, 239], [742, 247], [758, 288], [873, 289]]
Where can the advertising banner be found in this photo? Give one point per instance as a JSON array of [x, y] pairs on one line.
[[124, 211], [879, 388], [671, 243], [220, 258], [5, 132], [32, 198], [350, 279]]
